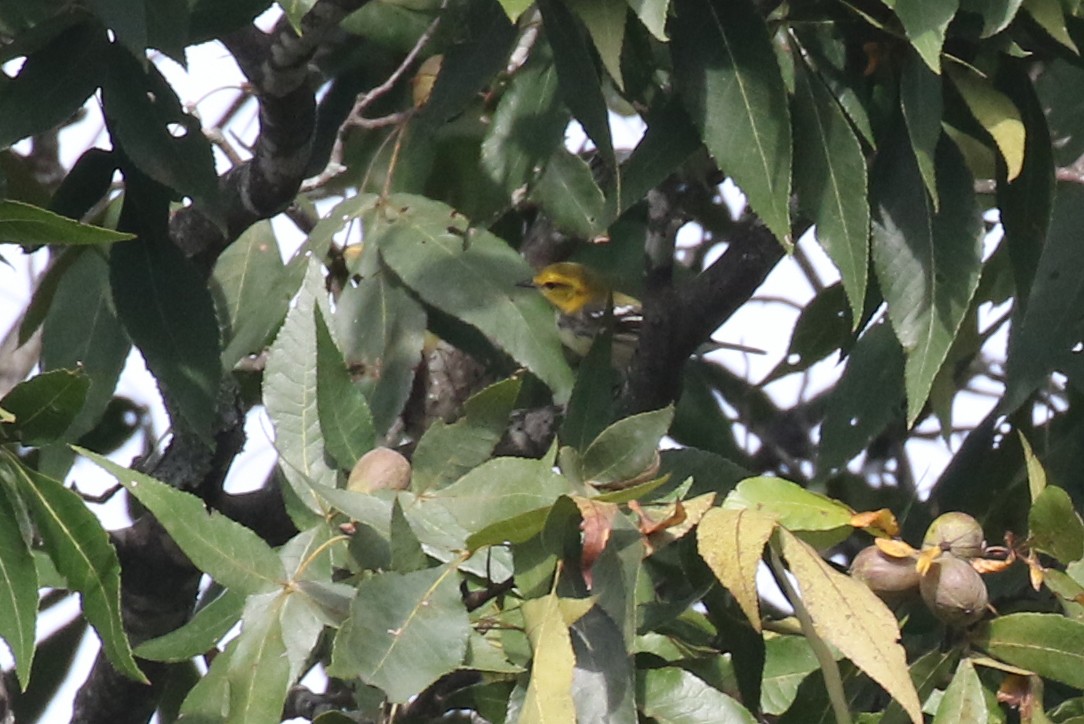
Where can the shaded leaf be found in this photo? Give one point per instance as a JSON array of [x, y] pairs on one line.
[[511, 155], [259, 671], [868, 396], [830, 178], [82, 329], [652, 14], [787, 661], [603, 683], [1036, 474], [1051, 18], [579, 81], [669, 140], [44, 406], [472, 275], [54, 81], [18, 590], [923, 107], [925, 22], [168, 313], [570, 197], [927, 262], [730, 83]]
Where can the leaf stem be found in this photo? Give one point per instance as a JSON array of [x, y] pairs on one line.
[[833, 681]]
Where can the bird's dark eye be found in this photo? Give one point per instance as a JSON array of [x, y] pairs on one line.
[[549, 285]]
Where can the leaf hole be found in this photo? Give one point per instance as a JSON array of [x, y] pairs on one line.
[[177, 130]]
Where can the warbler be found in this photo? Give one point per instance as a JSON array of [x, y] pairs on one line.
[[581, 298]]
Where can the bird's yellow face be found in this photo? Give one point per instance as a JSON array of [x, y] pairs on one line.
[[567, 286]]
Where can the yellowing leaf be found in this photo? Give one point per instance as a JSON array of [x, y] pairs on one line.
[[996, 113], [731, 543], [895, 548], [881, 521], [849, 616], [549, 693]]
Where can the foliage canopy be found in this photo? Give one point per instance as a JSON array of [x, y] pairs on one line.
[[462, 521]]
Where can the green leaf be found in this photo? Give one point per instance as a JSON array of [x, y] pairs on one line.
[[996, 14], [823, 326], [928, 673], [289, 393], [127, 20], [787, 661], [225, 550], [168, 313], [406, 550], [405, 631], [830, 178], [446, 452], [82, 329], [674, 696], [925, 22], [922, 104], [205, 629], [1036, 474], [1045, 337], [502, 488], [146, 121], [1026, 203], [997, 115], [577, 75], [570, 197], [509, 156], [18, 590], [53, 83], [867, 398], [1051, 645], [44, 406], [591, 406], [26, 224], [793, 507], [927, 262], [1054, 525], [81, 552], [847, 614], [670, 138], [381, 330], [627, 448], [345, 421], [730, 83], [472, 275], [479, 52], [251, 292], [652, 14], [964, 699], [1051, 17]]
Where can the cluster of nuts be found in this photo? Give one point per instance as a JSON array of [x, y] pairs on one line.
[[942, 570]]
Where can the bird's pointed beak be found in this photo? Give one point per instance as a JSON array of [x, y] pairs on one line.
[[527, 283]]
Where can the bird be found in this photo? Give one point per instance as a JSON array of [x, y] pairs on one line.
[[583, 301]]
